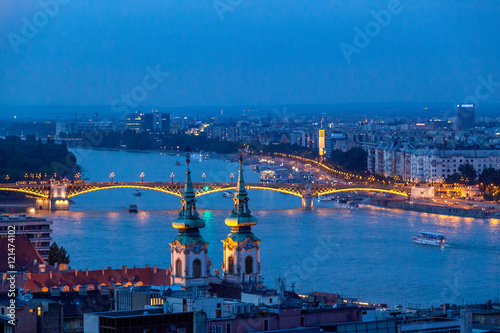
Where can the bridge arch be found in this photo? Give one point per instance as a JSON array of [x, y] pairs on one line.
[[33, 192], [89, 189], [332, 191], [177, 191]]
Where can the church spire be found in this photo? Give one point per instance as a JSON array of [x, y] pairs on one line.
[[188, 216], [241, 247], [241, 214]]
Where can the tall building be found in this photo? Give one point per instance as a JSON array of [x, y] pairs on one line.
[[466, 116], [322, 143], [153, 122], [189, 251], [241, 247], [133, 121], [165, 123]]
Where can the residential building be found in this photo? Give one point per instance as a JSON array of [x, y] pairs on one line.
[[38, 230]]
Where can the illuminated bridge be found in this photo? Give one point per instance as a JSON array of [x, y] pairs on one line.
[[55, 196]]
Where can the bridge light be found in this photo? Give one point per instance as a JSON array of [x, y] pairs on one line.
[[206, 188]]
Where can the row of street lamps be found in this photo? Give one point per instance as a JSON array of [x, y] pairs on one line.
[[172, 175]]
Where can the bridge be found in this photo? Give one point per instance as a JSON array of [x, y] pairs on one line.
[[56, 195]]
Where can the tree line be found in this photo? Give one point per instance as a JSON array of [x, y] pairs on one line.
[[31, 159]]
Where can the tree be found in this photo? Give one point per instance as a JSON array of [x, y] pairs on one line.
[[58, 255], [468, 172], [353, 160], [454, 178], [490, 176]]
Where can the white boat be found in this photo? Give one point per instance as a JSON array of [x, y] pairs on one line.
[[326, 197], [227, 194], [352, 205], [430, 238], [137, 193]]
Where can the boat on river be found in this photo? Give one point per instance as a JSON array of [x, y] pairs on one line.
[[137, 193], [352, 205], [227, 194], [133, 208], [326, 197], [430, 238]]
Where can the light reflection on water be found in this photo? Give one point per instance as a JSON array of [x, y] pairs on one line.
[[367, 254]]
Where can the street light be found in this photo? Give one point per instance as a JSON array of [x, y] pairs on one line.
[[203, 176], [112, 176], [172, 176], [232, 177], [142, 177], [7, 178]]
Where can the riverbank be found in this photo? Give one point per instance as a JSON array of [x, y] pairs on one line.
[[433, 209]]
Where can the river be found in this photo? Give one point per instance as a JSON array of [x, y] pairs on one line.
[[366, 253]]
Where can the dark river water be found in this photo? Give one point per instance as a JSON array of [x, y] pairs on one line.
[[366, 254]]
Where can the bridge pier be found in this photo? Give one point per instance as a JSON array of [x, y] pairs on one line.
[[307, 201], [43, 204], [58, 198]]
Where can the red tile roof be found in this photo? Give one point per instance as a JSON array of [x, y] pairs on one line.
[[135, 276], [25, 254]]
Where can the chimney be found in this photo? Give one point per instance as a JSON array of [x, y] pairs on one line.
[[109, 268], [63, 267], [124, 269], [148, 266], [155, 269], [76, 272], [102, 270], [86, 272], [50, 274], [29, 275]]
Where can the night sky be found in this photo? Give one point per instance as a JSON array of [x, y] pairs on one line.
[[236, 52]]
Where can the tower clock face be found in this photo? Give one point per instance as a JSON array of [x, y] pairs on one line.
[[197, 247]]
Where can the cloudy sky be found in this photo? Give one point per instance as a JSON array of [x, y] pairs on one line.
[[254, 52]]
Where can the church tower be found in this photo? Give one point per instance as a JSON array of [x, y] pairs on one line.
[[241, 247], [190, 265]]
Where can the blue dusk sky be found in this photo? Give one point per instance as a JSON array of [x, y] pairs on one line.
[[248, 52]]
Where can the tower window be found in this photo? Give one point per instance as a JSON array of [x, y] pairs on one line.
[[230, 265], [178, 267], [249, 265], [196, 268]]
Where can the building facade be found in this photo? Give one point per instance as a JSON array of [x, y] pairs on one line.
[[38, 231]]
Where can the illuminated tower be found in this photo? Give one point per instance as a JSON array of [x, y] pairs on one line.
[[190, 264], [322, 140], [241, 247]]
